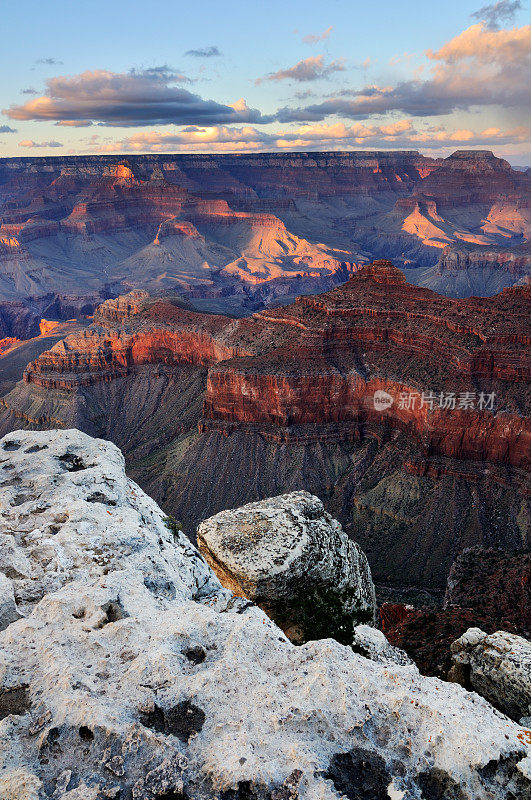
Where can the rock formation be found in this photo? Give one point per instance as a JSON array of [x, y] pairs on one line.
[[493, 582], [238, 231], [291, 558], [372, 643], [213, 412], [498, 667], [8, 608], [133, 673], [466, 269], [487, 588]]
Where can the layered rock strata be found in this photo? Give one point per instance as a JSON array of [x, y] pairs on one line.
[[214, 412], [239, 231]]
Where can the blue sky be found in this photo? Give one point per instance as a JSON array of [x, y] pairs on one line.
[[127, 77]]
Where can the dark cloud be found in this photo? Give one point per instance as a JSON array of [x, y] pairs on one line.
[[498, 14], [139, 97], [163, 73], [75, 123], [204, 52], [29, 90], [7, 129], [49, 62], [309, 69]]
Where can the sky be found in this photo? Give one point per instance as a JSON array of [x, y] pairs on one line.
[[110, 76]]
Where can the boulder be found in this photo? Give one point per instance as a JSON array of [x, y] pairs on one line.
[[496, 666], [290, 557], [135, 674], [371, 643]]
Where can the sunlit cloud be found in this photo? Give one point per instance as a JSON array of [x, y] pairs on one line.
[[315, 136], [479, 67], [313, 38], [135, 98], [31, 143], [309, 69], [486, 46]]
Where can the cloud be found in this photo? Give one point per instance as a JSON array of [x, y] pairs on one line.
[[29, 90], [496, 14], [479, 67], [314, 137], [486, 46], [313, 38], [7, 129], [31, 143], [304, 94], [75, 123], [204, 52], [126, 99], [50, 62], [193, 138], [309, 69]]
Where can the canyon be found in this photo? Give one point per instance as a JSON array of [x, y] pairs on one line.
[[236, 233], [213, 412]]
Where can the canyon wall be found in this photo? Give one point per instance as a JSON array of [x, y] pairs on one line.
[[213, 411], [240, 231]]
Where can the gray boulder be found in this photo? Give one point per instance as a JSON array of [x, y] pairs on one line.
[[496, 666], [290, 557], [372, 644]]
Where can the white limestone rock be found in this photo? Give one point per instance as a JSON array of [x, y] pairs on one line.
[[134, 674], [498, 667], [372, 643], [290, 557], [68, 511], [8, 608]]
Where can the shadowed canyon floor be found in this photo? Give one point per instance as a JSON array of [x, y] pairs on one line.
[[213, 412]]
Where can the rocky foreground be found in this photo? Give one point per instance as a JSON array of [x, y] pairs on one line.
[[131, 673]]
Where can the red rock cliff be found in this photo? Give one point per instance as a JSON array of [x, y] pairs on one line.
[[454, 372]]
